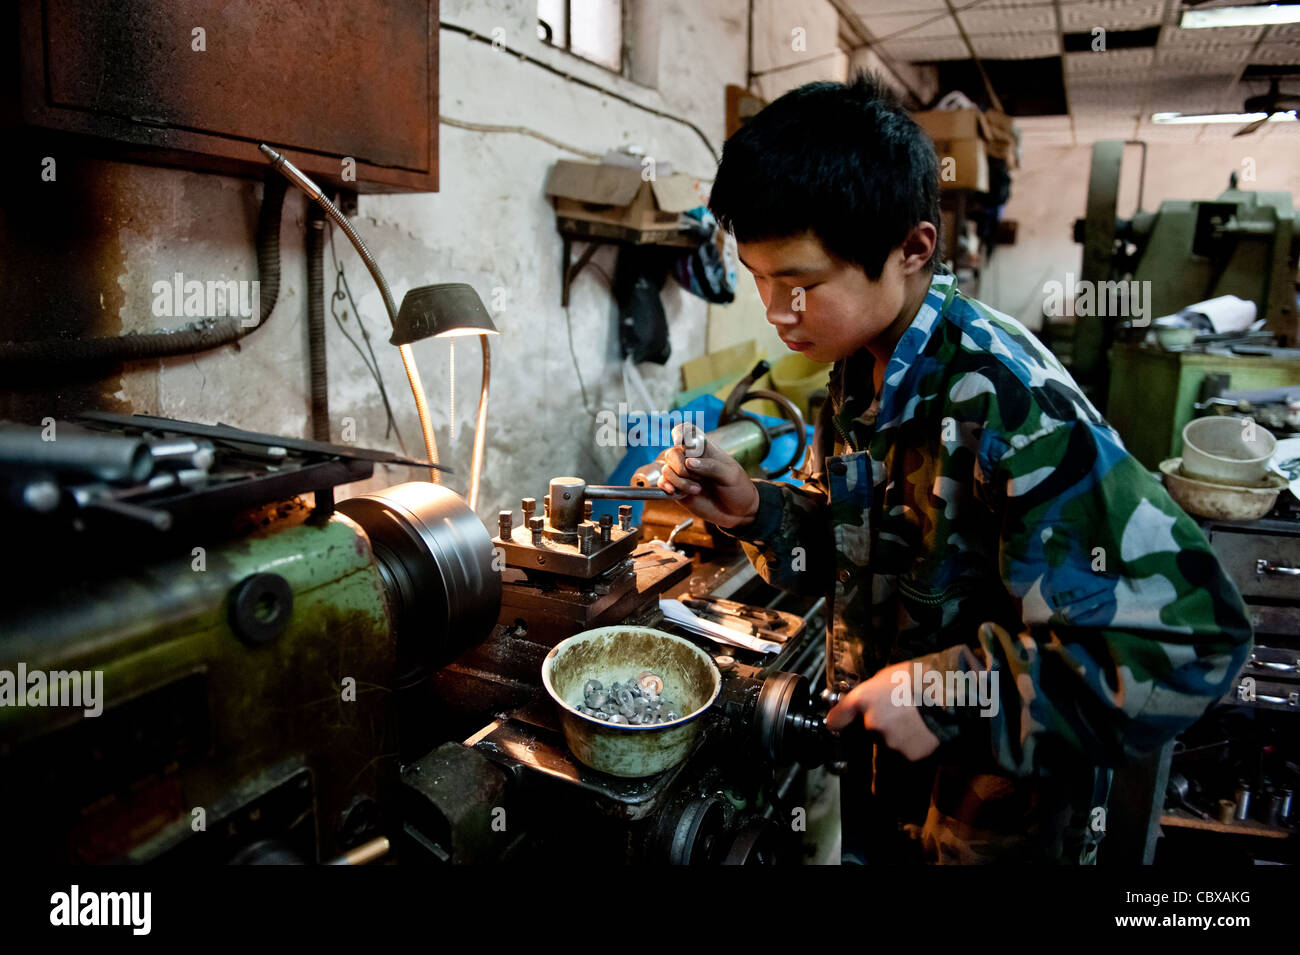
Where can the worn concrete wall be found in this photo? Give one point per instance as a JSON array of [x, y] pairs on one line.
[[1050, 191], [86, 253]]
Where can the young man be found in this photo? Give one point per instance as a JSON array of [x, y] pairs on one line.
[[1016, 605]]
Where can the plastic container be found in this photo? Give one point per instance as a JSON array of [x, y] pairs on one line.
[[1224, 450], [798, 377]]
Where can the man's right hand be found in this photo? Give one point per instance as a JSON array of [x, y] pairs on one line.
[[713, 486]]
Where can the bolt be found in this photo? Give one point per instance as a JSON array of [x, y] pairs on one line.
[[506, 524], [625, 517], [586, 510], [606, 522], [546, 502], [586, 530], [529, 505], [535, 525]]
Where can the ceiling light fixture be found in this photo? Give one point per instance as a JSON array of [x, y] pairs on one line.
[[1177, 119], [1273, 13]]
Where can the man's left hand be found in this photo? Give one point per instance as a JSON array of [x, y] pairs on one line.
[[900, 726]]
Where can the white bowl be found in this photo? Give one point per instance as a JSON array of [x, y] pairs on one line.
[[1227, 450]]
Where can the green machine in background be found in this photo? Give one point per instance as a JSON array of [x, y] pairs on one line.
[[1153, 392], [1242, 243]]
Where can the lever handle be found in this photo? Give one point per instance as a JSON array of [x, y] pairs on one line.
[[1263, 566]]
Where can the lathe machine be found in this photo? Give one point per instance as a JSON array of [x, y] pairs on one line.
[[220, 664]]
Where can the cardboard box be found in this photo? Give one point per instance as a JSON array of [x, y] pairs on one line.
[[718, 372], [617, 195], [1003, 143], [1001, 126], [1006, 151], [963, 164], [949, 124], [995, 129]]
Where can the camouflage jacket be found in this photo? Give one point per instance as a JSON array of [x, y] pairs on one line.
[[979, 517]]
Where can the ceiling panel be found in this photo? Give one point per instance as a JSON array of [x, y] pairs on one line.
[[911, 24], [1112, 15], [1179, 39], [1109, 63], [917, 51], [1016, 47], [1277, 54], [1190, 62], [1206, 93], [867, 10], [1008, 20]]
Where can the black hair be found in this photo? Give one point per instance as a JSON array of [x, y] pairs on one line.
[[844, 161]]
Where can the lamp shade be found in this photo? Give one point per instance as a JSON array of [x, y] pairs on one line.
[[430, 311]]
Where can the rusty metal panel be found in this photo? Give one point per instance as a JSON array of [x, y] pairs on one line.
[[320, 81]]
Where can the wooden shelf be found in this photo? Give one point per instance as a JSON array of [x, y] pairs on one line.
[[596, 234], [1246, 827]]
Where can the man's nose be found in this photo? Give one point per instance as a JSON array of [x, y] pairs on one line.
[[780, 310]]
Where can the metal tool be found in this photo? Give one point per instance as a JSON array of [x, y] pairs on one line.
[[678, 529], [763, 616], [739, 434], [364, 854], [224, 432], [182, 452], [66, 448], [1227, 811], [733, 621], [1243, 799], [1178, 791]]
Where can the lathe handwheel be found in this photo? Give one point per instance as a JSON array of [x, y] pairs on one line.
[[700, 823], [774, 703]]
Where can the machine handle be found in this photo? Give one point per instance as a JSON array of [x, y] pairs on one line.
[[789, 411], [854, 742], [1263, 566], [1271, 664], [618, 492]]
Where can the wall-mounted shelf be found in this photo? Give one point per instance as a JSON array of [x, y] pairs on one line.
[[596, 234], [1244, 827]]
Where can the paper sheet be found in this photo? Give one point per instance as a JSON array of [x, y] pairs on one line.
[[1288, 449], [1227, 313]]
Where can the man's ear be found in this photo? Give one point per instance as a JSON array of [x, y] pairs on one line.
[[919, 246]]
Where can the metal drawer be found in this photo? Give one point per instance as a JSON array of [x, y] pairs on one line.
[[1274, 663], [1261, 565], [1270, 621], [1264, 694]]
